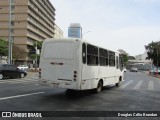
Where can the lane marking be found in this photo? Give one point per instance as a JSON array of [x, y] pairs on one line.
[[27, 82], [18, 80], [126, 84], [150, 85], [17, 96], [138, 85]]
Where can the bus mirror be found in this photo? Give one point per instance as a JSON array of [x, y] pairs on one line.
[[84, 54]]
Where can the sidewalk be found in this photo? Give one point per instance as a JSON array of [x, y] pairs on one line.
[[33, 75], [147, 72]]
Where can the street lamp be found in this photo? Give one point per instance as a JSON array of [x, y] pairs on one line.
[[10, 41], [157, 53], [85, 33]]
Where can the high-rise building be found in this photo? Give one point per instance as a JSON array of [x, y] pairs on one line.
[[58, 32], [75, 30], [31, 21]]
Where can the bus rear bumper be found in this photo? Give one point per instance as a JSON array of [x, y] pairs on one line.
[[66, 85]]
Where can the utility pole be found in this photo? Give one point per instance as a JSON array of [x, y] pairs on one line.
[[37, 53], [157, 54], [36, 58], [10, 41]]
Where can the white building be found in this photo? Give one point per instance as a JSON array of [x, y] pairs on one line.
[[58, 33], [140, 62], [141, 56]]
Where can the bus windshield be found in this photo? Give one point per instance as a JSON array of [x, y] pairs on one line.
[[58, 50]]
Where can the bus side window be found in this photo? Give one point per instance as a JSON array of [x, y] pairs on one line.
[[92, 55], [103, 57], [84, 53], [111, 58], [117, 62]]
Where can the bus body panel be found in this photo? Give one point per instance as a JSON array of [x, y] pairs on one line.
[[92, 74], [62, 66], [89, 77], [58, 63]]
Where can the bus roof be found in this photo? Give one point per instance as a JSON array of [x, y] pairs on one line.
[[75, 39]]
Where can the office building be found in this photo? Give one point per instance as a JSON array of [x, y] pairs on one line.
[[31, 21], [75, 30], [58, 33]]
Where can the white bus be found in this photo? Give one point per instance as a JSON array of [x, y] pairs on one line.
[[78, 65]]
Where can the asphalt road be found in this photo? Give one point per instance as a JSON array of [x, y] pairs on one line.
[[138, 92]]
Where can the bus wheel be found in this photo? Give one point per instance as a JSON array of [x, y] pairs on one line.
[[118, 84], [99, 87], [70, 93]]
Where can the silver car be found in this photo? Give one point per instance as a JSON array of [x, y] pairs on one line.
[[133, 69], [23, 67]]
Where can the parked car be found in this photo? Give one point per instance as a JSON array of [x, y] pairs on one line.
[[11, 71], [152, 71], [133, 69], [23, 67], [157, 70]]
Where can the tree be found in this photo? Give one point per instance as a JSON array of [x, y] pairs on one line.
[[18, 53], [3, 48], [124, 58], [39, 44], [122, 51], [124, 55], [32, 53], [153, 52]]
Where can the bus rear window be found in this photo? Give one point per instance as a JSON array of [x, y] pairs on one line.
[[58, 50]]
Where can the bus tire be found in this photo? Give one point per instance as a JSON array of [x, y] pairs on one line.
[[119, 82], [70, 92], [99, 86]]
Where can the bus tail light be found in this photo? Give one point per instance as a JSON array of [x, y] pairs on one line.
[[39, 72], [75, 75], [75, 72]]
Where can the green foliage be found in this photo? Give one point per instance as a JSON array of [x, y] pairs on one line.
[[3, 48], [153, 53], [124, 58], [39, 46], [33, 56]]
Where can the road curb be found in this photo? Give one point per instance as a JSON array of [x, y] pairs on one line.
[[33, 75], [153, 76], [150, 74]]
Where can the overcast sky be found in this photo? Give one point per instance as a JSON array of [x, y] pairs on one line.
[[114, 24]]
